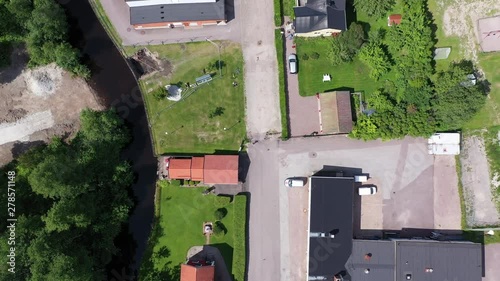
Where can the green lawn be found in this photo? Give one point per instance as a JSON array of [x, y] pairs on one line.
[[351, 76], [182, 212], [185, 126]]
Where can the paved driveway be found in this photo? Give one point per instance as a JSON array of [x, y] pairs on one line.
[[304, 115], [402, 170]]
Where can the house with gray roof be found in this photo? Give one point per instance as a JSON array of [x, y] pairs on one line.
[[320, 18], [334, 255], [147, 14]]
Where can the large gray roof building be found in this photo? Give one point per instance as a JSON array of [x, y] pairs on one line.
[[168, 13], [333, 253]]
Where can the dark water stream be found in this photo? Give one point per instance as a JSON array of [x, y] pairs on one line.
[[114, 83]]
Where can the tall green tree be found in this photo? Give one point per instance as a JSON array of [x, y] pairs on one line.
[[346, 44], [374, 56], [457, 99]]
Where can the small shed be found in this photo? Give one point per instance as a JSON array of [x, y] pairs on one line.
[[336, 112], [394, 19], [444, 144], [442, 53]]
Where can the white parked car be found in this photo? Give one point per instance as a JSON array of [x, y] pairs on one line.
[[367, 190], [295, 182], [360, 178], [292, 63]]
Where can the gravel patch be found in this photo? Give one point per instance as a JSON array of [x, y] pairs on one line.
[[23, 128], [43, 81], [460, 19], [479, 200]]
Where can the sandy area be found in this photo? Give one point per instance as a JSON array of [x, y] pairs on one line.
[[37, 104], [460, 19], [481, 209]]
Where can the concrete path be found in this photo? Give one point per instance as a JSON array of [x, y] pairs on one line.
[[304, 115], [492, 256]]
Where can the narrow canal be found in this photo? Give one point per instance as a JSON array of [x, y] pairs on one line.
[[115, 84]]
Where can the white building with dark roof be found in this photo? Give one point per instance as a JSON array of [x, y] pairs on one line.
[[148, 14], [320, 18]]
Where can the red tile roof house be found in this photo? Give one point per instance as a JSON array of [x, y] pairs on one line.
[[197, 272], [220, 169], [180, 168], [394, 20], [211, 169]]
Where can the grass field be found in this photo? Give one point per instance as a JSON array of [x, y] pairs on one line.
[[186, 126], [351, 76], [182, 212]]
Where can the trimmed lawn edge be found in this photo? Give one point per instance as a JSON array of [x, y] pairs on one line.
[[240, 209], [278, 13], [282, 90]]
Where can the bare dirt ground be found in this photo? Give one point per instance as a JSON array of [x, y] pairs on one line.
[[38, 104], [460, 19], [481, 209]]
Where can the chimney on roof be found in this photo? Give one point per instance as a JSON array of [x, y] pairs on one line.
[[368, 257]]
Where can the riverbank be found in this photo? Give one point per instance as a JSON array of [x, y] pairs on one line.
[[39, 104]]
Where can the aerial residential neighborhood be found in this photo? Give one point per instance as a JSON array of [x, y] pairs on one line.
[[229, 140]]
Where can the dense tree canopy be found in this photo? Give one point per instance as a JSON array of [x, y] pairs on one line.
[[457, 98], [375, 57], [346, 45], [374, 8], [71, 200], [414, 99], [42, 25]]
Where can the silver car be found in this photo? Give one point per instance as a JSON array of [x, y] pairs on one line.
[[292, 63]]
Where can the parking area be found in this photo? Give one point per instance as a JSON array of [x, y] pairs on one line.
[[409, 195]]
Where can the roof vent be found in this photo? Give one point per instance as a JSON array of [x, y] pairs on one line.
[[408, 276], [429, 270], [368, 256], [367, 271]]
